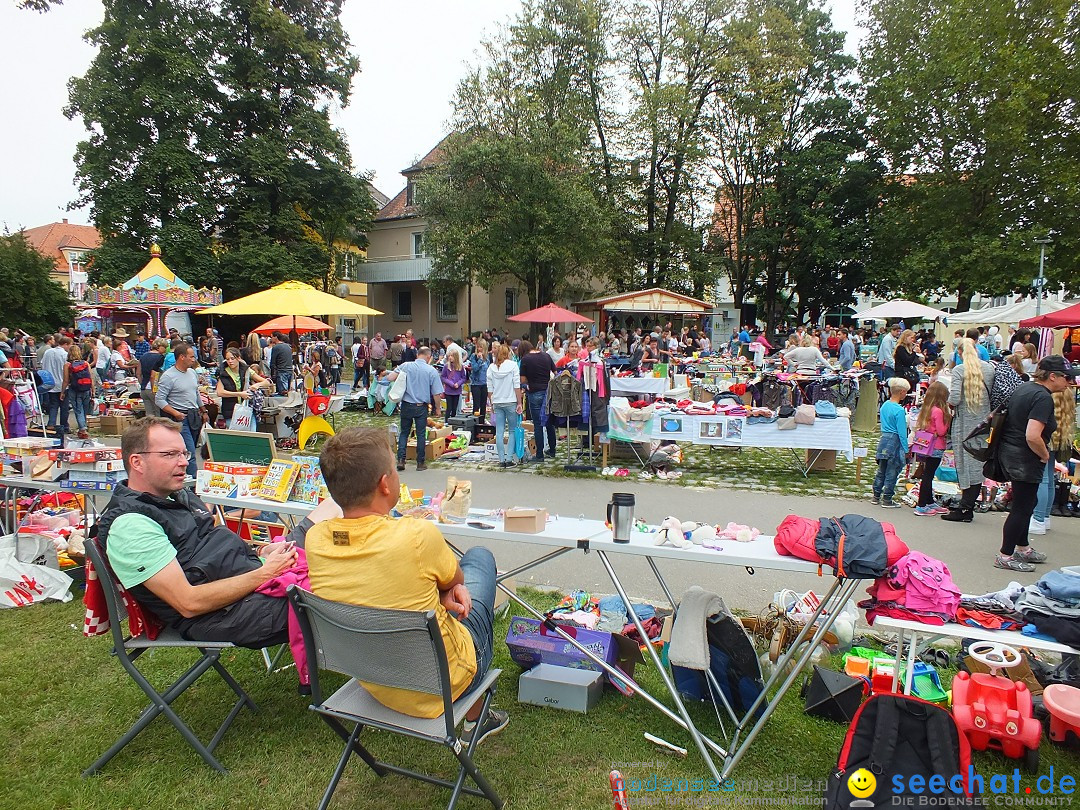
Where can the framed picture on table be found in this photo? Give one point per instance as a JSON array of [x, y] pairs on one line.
[[734, 428], [671, 427], [710, 430]]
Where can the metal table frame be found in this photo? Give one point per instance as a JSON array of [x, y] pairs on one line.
[[563, 535]]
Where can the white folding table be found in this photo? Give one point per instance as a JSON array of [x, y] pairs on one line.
[[932, 632], [563, 534]]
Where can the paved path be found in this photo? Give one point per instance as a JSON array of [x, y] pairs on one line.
[[967, 548]]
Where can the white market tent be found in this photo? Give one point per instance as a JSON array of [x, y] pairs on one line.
[[901, 309], [1007, 313]]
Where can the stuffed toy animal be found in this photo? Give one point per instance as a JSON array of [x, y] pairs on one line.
[[670, 531], [698, 533]]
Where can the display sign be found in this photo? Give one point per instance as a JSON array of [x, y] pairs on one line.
[[240, 446]]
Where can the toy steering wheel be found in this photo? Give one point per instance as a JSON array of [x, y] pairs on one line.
[[994, 655]]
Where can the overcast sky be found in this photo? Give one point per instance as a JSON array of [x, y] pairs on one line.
[[411, 54]]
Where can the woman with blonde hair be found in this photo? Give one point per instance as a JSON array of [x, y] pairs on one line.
[[1061, 445], [504, 391], [906, 359], [969, 395], [1030, 359]]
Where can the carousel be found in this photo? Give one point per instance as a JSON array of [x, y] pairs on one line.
[[146, 299]]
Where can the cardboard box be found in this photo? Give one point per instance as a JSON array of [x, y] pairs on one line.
[[825, 460], [116, 465], [575, 690], [86, 455], [530, 644], [88, 486], [114, 425], [435, 449], [93, 475], [526, 521]]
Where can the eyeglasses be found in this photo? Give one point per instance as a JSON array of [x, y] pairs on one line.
[[171, 455]]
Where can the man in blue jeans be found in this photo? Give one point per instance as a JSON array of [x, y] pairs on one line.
[[178, 398], [365, 558], [537, 369], [422, 386]]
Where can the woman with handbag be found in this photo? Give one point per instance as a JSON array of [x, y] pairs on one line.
[[931, 437], [236, 383], [969, 396], [1023, 453], [906, 359]]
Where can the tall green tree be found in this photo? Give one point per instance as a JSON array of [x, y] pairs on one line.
[[499, 211], [974, 106], [150, 105], [676, 58], [283, 64], [32, 300]]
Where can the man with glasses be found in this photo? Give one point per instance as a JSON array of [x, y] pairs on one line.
[[166, 549]]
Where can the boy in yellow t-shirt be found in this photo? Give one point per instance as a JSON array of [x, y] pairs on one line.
[[368, 558]]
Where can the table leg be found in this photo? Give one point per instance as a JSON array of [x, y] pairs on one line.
[[844, 593], [909, 676], [899, 657], [663, 584], [660, 668]]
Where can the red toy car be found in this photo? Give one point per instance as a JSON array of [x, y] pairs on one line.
[[995, 712]]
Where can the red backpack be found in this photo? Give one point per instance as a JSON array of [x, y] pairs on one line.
[[80, 377]]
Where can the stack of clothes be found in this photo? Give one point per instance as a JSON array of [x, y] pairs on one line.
[[1052, 605], [608, 614], [917, 588]]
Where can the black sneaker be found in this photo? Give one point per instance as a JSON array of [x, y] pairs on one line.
[[495, 721]]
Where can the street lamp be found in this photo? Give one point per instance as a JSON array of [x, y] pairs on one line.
[[1042, 242]]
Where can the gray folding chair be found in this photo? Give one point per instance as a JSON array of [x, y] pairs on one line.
[[396, 648], [129, 649]]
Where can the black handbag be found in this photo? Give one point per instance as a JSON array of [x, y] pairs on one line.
[[981, 443]]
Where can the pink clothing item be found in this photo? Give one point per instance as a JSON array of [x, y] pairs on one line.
[[937, 426], [297, 575]]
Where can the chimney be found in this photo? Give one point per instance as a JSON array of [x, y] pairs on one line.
[[65, 221]]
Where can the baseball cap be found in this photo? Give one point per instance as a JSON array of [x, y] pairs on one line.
[[1056, 364]]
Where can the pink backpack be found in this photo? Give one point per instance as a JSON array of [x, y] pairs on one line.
[[926, 583]]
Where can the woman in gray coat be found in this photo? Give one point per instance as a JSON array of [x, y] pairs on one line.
[[969, 395]]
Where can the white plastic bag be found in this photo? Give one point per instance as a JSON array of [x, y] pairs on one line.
[[397, 390], [24, 584], [243, 417]]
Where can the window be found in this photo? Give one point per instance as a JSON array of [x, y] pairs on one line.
[[447, 309], [410, 192], [418, 244], [511, 302], [345, 265], [403, 305]]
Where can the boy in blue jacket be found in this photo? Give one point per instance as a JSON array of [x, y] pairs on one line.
[[892, 446]]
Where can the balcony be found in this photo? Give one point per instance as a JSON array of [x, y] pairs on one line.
[[382, 271]]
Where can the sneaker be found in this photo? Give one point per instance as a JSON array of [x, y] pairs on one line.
[[925, 511], [1036, 526], [889, 504], [495, 721], [1013, 564], [646, 475], [959, 516], [876, 500], [661, 474], [1029, 555], [401, 466], [537, 458], [939, 509], [421, 467]]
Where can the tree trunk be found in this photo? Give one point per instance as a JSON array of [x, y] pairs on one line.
[[964, 294]]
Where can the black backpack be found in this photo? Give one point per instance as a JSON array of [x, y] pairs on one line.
[[895, 735]]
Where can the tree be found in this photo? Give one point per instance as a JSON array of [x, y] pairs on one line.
[[150, 105], [677, 58], [282, 65], [789, 147], [976, 146], [32, 300], [498, 210]]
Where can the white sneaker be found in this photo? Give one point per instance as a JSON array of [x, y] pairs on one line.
[[1036, 526]]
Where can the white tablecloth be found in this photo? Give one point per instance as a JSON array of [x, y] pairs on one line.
[[621, 386], [824, 434]]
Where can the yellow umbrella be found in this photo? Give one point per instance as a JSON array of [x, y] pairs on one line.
[[290, 298]]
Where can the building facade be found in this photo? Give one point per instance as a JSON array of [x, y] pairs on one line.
[[68, 247]]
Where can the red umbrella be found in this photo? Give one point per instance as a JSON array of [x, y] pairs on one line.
[[550, 314], [301, 323]]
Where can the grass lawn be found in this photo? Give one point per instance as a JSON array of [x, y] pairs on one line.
[[66, 701], [705, 468]]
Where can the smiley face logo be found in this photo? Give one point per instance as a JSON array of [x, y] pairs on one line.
[[861, 783]]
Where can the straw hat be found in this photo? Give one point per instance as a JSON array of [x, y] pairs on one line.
[[120, 333]]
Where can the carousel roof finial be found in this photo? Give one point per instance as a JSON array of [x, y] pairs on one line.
[[155, 250]]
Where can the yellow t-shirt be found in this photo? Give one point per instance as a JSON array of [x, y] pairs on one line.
[[377, 561]]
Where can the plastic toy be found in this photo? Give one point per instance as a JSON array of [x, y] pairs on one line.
[[881, 680], [995, 712], [1063, 703], [926, 684]]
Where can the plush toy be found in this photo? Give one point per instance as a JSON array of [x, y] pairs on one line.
[[739, 532], [698, 533], [670, 531]]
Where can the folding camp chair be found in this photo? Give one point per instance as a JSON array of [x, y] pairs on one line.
[[396, 648], [129, 649]]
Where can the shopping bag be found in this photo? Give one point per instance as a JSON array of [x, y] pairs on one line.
[[397, 390], [23, 583], [243, 417], [458, 501]]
